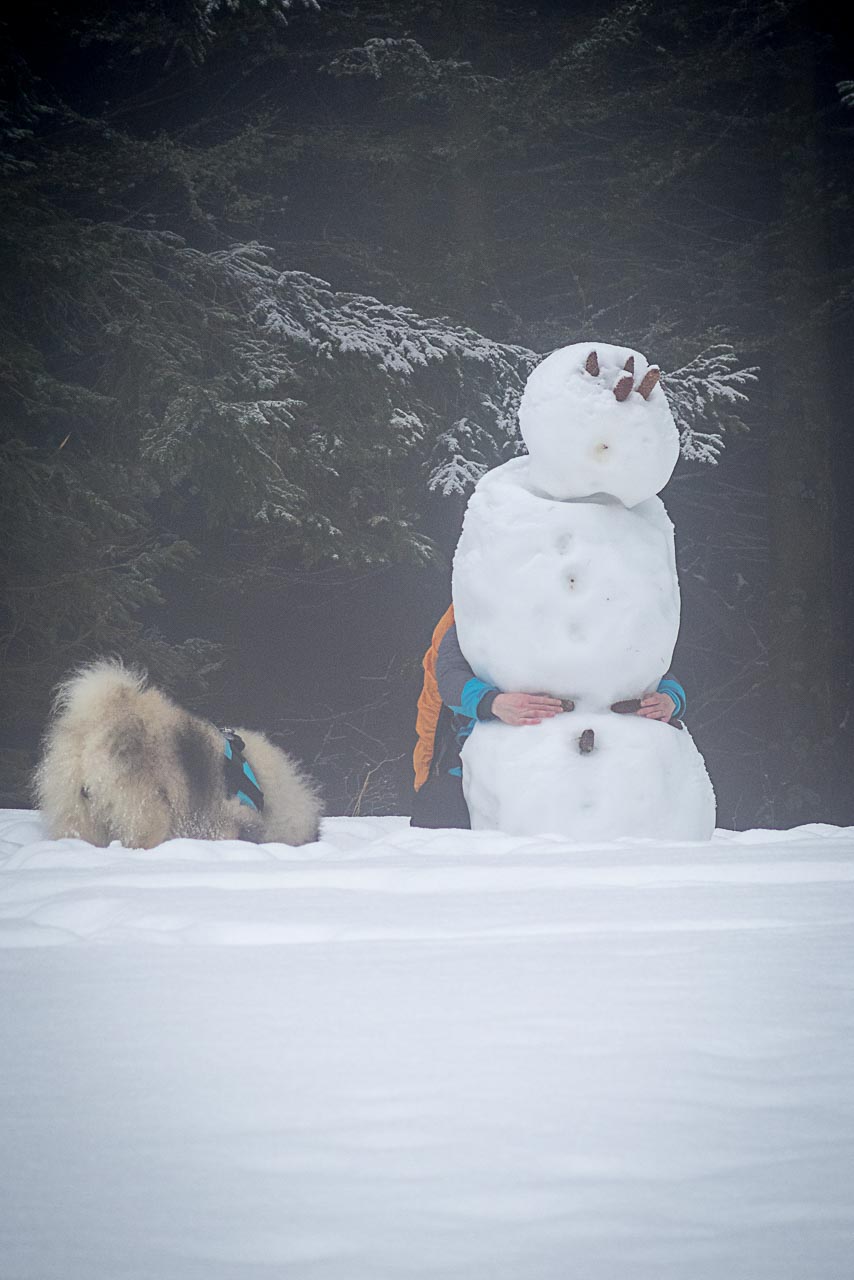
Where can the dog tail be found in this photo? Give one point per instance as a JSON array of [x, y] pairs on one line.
[[91, 692]]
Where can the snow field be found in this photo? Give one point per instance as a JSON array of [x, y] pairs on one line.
[[437, 1054]]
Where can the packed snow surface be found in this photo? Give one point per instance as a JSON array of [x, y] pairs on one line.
[[583, 440], [576, 599], [580, 600], [642, 776], [404, 1053]]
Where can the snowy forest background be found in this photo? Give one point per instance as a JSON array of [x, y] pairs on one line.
[[273, 275]]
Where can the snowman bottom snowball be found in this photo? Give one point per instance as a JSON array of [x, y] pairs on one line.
[[641, 779]]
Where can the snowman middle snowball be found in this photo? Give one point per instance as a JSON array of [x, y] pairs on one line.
[[565, 583]]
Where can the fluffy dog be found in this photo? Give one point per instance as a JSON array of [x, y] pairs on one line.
[[122, 761]]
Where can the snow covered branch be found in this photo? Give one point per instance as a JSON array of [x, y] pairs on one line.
[[405, 63], [705, 392]]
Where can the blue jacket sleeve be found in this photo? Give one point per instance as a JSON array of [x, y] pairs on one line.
[[672, 687], [459, 687]]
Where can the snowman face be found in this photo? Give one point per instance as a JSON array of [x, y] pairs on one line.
[[596, 421]]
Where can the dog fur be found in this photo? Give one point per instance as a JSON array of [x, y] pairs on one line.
[[122, 761]]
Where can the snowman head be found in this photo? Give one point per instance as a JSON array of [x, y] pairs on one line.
[[595, 421]]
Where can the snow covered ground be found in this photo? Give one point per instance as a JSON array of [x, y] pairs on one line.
[[402, 1054]]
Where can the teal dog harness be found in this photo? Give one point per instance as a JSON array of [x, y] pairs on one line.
[[240, 781]]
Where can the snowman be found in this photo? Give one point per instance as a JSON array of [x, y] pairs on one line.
[[565, 583]]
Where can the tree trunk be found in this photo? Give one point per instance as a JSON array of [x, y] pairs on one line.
[[801, 499]]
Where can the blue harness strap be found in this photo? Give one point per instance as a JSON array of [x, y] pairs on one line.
[[240, 780]]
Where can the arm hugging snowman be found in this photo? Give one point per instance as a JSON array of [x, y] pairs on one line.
[[472, 699]]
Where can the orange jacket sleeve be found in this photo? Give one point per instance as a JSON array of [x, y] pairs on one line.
[[429, 703]]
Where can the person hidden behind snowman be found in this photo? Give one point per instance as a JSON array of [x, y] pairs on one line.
[[453, 699]]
